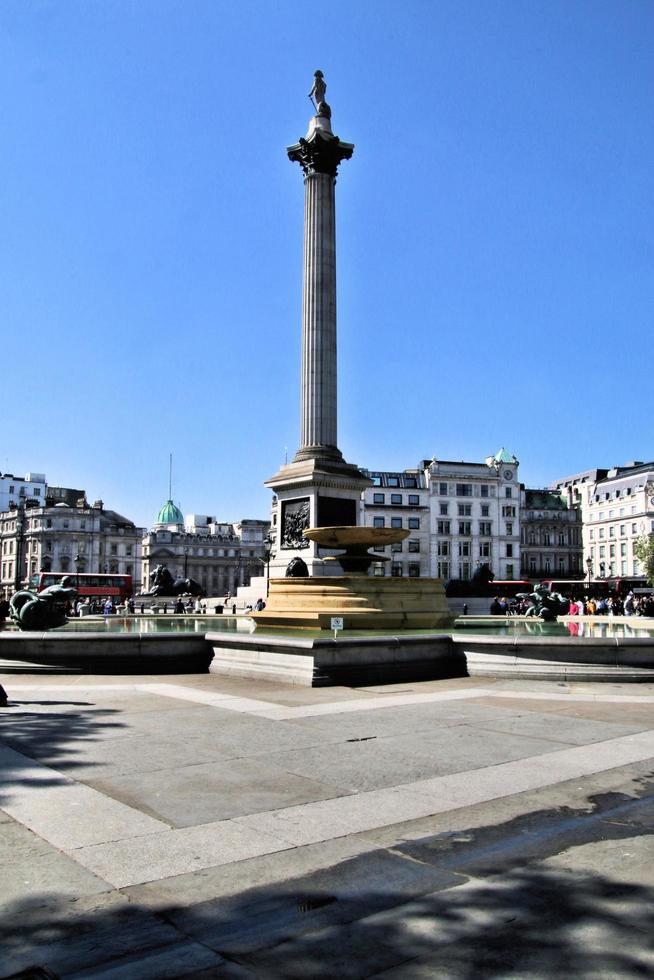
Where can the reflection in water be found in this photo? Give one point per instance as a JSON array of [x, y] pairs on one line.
[[159, 624], [509, 627]]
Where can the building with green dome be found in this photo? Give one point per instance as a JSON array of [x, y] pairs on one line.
[[220, 555], [169, 516]]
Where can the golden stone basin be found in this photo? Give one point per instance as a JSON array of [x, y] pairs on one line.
[[359, 537], [363, 602]]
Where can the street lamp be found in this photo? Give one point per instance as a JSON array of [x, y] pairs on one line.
[[77, 559], [185, 562], [267, 555], [589, 569]]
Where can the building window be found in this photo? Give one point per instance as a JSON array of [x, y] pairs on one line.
[[378, 498], [464, 510], [378, 569], [465, 570], [464, 489], [509, 551], [396, 570], [393, 481], [509, 571], [465, 527], [442, 489], [485, 510], [414, 499], [483, 489], [464, 549], [443, 509], [485, 549], [396, 547], [443, 569], [396, 522], [486, 528], [378, 522], [396, 498], [443, 527], [508, 492], [414, 544], [410, 482], [443, 548], [508, 511], [414, 569], [414, 523]]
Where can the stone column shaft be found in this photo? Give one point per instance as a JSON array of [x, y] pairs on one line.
[[318, 392]]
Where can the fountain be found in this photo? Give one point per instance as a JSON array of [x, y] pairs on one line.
[[361, 601]]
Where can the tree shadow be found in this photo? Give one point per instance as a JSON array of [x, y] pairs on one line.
[[485, 904], [47, 739]]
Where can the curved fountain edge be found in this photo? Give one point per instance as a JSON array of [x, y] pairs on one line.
[[314, 661]]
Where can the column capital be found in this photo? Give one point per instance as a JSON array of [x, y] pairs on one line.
[[320, 153]]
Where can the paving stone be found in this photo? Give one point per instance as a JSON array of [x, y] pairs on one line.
[[257, 872], [32, 867], [347, 891], [83, 935], [182, 959], [62, 811], [219, 790], [378, 763], [164, 855]]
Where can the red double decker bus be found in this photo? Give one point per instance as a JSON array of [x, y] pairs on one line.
[[119, 587]]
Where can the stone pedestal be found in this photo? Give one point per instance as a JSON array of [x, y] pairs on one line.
[[363, 602]]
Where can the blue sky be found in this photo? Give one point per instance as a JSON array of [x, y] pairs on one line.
[[494, 226]]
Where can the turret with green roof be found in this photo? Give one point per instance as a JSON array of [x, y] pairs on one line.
[[169, 514]]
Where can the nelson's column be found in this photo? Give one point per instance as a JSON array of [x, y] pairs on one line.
[[318, 488]]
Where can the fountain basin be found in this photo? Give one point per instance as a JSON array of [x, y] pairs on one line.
[[572, 650], [362, 602], [110, 653]]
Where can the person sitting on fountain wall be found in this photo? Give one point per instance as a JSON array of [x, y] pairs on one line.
[[496, 609], [179, 606]]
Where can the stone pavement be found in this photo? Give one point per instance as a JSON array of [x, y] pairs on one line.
[[199, 826]]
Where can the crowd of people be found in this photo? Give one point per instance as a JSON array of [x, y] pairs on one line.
[[631, 605]]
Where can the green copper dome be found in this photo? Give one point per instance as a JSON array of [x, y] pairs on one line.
[[169, 514]]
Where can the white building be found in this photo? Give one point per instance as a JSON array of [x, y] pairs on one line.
[[617, 507], [460, 515], [399, 500], [66, 538], [15, 490], [475, 515]]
